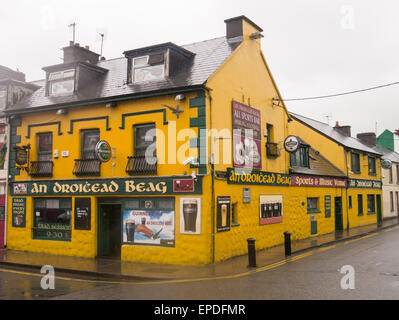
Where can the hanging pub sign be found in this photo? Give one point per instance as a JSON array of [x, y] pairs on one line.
[[22, 155], [291, 144], [103, 151], [247, 149], [386, 164], [82, 213], [223, 214], [18, 212]]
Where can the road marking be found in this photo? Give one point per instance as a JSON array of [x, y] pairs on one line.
[[235, 276]]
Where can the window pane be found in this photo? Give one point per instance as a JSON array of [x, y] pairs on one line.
[[132, 204], [149, 73], [60, 87], [90, 140], [156, 59], [66, 203], [166, 204], [141, 143], [370, 204], [140, 62], [45, 143], [52, 203], [69, 73], [55, 76]]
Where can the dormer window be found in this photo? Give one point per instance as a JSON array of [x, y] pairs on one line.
[[3, 97], [61, 82], [147, 68]]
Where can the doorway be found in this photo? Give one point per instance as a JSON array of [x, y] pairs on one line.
[[109, 230], [379, 209], [338, 214]]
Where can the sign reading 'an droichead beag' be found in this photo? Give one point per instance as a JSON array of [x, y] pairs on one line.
[[240, 176], [358, 183], [137, 186]]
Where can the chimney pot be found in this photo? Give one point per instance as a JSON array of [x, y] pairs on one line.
[[87, 47], [71, 43]]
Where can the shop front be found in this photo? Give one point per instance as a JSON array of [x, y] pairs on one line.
[[124, 218]]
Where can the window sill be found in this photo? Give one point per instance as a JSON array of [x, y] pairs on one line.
[[314, 211], [370, 213], [235, 224], [266, 221]]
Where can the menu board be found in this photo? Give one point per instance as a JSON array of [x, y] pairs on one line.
[[19, 212], [327, 206], [82, 214]]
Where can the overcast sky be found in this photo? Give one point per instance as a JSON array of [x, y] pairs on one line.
[[313, 47]]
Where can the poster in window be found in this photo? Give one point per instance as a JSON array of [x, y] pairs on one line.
[[190, 215], [327, 206], [82, 213], [149, 227], [18, 212], [247, 140], [223, 214], [271, 209]]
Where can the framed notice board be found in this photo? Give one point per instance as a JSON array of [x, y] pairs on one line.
[[18, 212], [82, 214], [327, 206]]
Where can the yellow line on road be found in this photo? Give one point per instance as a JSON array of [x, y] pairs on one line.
[[235, 276]]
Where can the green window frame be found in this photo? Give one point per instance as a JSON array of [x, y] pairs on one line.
[[89, 139], [359, 205], [350, 202], [44, 146], [355, 162], [313, 205], [300, 158], [234, 220], [139, 145], [370, 204], [52, 219], [372, 165]]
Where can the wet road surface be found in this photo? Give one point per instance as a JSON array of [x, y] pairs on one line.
[[317, 276]]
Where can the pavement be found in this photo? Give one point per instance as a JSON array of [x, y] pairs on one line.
[[114, 269]]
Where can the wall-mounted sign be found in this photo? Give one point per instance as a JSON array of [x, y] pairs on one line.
[[271, 209], [103, 151], [312, 181], [291, 144], [18, 210], [247, 148], [327, 206], [359, 183], [386, 164], [82, 214], [122, 186], [241, 176], [223, 214], [183, 185], [149, 227], [190, 215], [246, 195]]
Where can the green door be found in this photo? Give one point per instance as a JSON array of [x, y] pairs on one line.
[[103, 231], [379, 209], [338, 214]]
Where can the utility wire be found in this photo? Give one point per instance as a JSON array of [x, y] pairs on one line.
[[343, 93]]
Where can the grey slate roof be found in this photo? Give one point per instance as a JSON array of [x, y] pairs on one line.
[[388, 154], [333, 134], [209, 55]]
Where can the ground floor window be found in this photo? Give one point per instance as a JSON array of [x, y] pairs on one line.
[[370, 204], [52, 219], [359, 204], [271, 209], [313, 205]]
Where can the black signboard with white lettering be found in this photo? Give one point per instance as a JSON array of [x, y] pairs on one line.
[[82, 214]]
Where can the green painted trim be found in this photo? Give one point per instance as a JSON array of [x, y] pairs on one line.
[[106, 118], [199, 122], [125, 115], [43, 125]]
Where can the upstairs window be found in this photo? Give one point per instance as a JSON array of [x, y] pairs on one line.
[[355, 162], [44, 146], [89, 141], [300, 158], [61, 82], [144, 139], [147, 68], [372, 169]]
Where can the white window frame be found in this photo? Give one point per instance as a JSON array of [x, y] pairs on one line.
[[146, 66], [60, 76]]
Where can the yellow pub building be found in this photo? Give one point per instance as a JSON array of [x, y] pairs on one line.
[[172, 155]]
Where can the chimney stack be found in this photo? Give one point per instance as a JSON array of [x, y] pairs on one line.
[[368, 138], [242, 27], [345, 130], [75, 53]]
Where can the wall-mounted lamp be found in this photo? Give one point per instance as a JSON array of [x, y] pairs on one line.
[[180, 97], [111, 105], [61, 111]]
